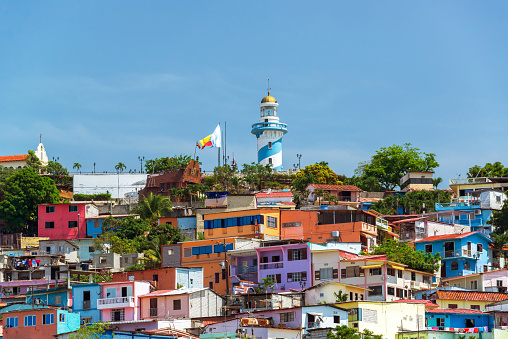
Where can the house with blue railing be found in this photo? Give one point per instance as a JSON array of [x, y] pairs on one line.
[[458, 320], [59, 296], [461, 254], [85, 298]]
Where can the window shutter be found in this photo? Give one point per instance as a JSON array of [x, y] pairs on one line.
[[304, 254], [335, 273], [277, 277], [343, 273], [316, 275], [304, 276], [290, 255]]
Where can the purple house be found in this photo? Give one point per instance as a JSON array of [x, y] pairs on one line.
[[288, 265]]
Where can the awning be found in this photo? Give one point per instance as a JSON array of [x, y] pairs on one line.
[[397, 267], [371, 266], [315, 314]]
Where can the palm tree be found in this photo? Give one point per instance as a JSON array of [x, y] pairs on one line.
[[153, 207], [77, 166], [319, 193], [153, 255], [499, 241], [340, 297], [436, 182], [120, 167]]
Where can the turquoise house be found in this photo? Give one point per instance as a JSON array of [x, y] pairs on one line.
[[85, 302], [461, 320], [60, 296]]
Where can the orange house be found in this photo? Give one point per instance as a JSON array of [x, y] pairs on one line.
[[256, 223], [209, 254], [322, 226]]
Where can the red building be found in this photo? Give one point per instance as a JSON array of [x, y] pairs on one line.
[[64, 221]]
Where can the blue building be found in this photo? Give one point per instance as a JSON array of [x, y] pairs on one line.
[[85, 302], [461, 254], [269, 132], [94, 224], [468, 213], [60, 296], [458, 319]]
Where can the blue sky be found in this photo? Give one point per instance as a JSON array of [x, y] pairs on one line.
[[106, 82]]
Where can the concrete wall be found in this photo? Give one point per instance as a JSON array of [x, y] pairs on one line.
[[171, 255], [116, 184]]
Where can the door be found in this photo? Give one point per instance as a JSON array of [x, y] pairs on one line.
[[111, 293], [443, 269]]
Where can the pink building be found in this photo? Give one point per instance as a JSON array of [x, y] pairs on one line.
[[119, 300], [65, 221]]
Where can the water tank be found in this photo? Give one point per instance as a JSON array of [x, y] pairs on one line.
[[335, 234]]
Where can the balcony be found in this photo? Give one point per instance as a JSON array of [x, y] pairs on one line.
[[312, 325], [271, 266], [468, 181], [272, 126], [86, 304], [119, 302], [245, 269], [153, 312]]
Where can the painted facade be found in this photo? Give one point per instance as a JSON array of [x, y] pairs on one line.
[[491, 281], [84, 302], [60, 296], [119, 300], [458, 320], [468, 300], [169, 278], [461, 254], [64, 221], [324, 292]]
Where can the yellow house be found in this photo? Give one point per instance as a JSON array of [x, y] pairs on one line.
[[325, 292], [385, 318], [466, 299]]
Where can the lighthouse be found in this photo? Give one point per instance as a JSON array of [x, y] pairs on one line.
[[269, 132]]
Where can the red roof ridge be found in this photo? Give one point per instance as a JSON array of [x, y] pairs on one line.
[[19, 157], [446, 236]]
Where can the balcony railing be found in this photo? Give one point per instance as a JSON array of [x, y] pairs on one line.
[[245, 269], [115, 302], [153, 312], [469, 181], [86, 304], [271, 266], [268, 125], [312, 325]]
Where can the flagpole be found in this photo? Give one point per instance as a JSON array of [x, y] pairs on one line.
[[225, 141], [218, 154]]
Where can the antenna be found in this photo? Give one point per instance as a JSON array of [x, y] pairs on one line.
[[268, 89], [40, 138]]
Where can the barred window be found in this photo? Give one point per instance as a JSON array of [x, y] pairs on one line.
[[291, 224], [271, 222], [287, 317]]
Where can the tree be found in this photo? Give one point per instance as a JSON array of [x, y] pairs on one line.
[[56, 168], [33, 160], [77, 166], [499, 219], [21, 194], [412, 202], [340, 297], [255, 175], [436, 182], [120, 167], [266, 285], [153, 207], [224, 175], [389, 164], [405, 254], [153, 255], [346, 332], [495, 170], [362, 181], [499, 241], [318, 173], [167, 164], [94, 330]]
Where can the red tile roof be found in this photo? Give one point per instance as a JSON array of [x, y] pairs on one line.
[[350, 188], [454, 310], [467, 295], [347, 255], [446, 236], [6, 158], [274, 195], [407, 220]]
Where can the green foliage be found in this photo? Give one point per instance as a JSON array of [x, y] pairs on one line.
[[499, 219], [436, 182], [494, 170], [120, 167], [340, 297], [201, 236], [402, 253], [256, 175], [267, 284], [55, 168], [167, 164], [389, 164], [20, 195], [32, 161], [90, 197], [153, 207], [77, 166], [102, 277], [346, 332], [6, 172], [91, 331], [225, 176], [499, 241], [318, 173], [412, 202]]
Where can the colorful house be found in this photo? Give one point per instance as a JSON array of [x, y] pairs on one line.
[[170, 278], [466, 299], [181, 303], [491, 281], [84, 302], [65, 221], [287, 265], [119, 300], [60, 296], [341, 193], [387, 280], [458, 320], [94, 224], [40, 323], [461, 254], [325, 292]]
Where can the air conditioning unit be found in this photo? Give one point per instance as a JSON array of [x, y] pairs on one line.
[[335, 234]]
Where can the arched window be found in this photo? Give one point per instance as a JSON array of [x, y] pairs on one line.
[[455, 266], [466, 265]]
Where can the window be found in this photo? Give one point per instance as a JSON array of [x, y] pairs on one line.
[[287, 317], [297, 254], [73, 208], [474, 285], [153, 307], [50, 209], [170, 252], [48, 319], [499, 283], [223, 274], [60, 248], [73, 224], [440, 322], [354, 314], [455, 266], [103, 260], [117, 314], [155, 277], [475, 307], [391, 291], [326, 273], [270, 161], [269, 145], [400, 293], [49, 224], [58, 299], [428, 248], [291, 224], [297, 276], [271, 277], [336, 319], [275, 258], [97, 224], [426, 279], [376, 290], [375, 271], [391, 271], [399, 274], [217, 277], [11, 322], [177, 304], [187, 252], [479, 248], [466, 265], [29, 320], [413, 276], [91, 249], [452, 306], [352, 271], [469, 323], [271, 222]]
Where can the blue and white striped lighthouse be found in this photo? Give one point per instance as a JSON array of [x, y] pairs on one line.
[[269, 132]]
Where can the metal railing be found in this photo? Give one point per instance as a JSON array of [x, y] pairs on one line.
[[111, 301], [153, 312], [245, 269], [270, 266], [86, 304]]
